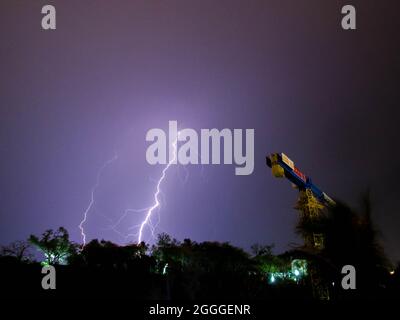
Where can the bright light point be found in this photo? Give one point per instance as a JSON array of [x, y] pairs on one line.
[[165, 269], [391, 272], [296, 273], [272, 279]]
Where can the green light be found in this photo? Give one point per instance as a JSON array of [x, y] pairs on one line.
[[272, 279], [165, 269]]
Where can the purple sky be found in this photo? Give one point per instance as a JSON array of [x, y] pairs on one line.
[[112, 70]]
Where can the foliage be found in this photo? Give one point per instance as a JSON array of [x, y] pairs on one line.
[[108, 255], [266, 262], [55, 246], [206, 270], [17, 249], [351, 239]]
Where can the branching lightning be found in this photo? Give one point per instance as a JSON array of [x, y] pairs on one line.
[[157, 193], [92, 197], [158, 197]]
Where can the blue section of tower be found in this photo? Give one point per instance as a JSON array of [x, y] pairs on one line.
[[301, 181]]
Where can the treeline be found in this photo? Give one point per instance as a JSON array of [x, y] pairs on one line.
[[167, 270], [171, 269]]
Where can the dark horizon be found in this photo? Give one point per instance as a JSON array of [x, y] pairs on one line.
[[74, 97]]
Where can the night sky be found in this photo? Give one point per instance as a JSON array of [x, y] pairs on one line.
[[73, 97]]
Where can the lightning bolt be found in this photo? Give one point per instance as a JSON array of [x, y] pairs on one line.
[[92, 197], [158, 191], [147, 221]]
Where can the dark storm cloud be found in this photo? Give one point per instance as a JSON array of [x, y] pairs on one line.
[[112, 70]]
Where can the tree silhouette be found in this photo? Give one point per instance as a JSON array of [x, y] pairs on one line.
[[106, 254], [17, 249], [55, 245], [350, 239]]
